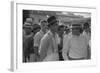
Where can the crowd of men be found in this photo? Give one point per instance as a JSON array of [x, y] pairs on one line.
[[49, 41]]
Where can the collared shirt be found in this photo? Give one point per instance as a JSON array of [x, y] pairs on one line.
[[88, 36], [58, 39], [37, 38], [66, 37], [48, 46], [75, 47]]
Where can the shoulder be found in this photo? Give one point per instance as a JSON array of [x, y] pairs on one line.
[[83, 36], [46, 37], [37, 35], [67, 39]]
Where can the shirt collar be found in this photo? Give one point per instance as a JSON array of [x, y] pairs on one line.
[[50, 33], [41, 32]]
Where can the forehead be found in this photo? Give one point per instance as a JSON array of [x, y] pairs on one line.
[[60, 27], [55, 24], [76, 28], [43, 23]]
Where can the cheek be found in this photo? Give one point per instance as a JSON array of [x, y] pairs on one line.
[[74, 31], [56, 27]]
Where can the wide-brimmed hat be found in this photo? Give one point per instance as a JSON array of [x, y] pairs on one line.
[[27, 25], [52, 20], [28, 20]]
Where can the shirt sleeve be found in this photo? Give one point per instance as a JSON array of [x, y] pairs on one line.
[[44, 44], [65, 48]]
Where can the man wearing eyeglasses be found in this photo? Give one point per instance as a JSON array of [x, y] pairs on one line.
[[76, 46]]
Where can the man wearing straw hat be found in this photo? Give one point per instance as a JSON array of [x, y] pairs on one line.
[[75, 47], [27, 40]]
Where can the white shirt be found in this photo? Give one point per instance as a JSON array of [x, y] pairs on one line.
[[58, 39], [87, 35], [66, 37], [48, 47], [76, 47], [37, 38]]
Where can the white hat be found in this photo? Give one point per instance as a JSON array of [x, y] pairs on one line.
[[28, 20]]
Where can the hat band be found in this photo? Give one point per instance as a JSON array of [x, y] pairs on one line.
[[52, 21]]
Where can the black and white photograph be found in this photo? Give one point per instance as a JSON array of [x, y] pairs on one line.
[[55, 36], [52, 36]]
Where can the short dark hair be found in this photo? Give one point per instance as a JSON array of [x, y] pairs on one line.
[[43, 21], [60, 26], [86, 25]]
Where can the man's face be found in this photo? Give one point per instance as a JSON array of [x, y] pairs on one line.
[[87, 30], [54, 27], [44, 26], [61, 31], [76, 31]]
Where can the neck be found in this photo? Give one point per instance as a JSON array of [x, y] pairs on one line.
[[52, 32], [43, 31], [76, 35]]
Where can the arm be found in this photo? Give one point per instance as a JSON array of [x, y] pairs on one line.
[[87, 41], [43, 48], [36, 44], [65, 49], [88, 50]]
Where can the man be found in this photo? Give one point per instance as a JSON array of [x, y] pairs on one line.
[[87, 31], [48, 45], [76, 46], [36, 28], [60, 41], [38, 36], [28, 21], [87, 34], [27, 40], [67, 34]]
